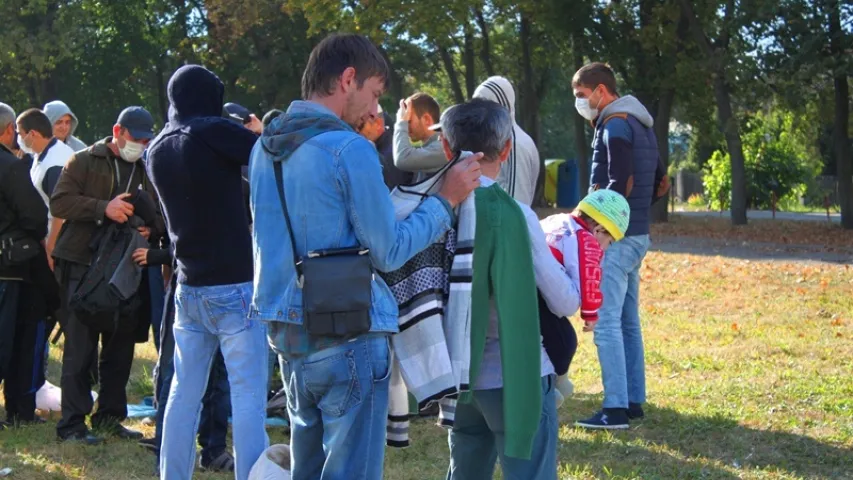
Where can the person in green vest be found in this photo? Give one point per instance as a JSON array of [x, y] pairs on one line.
[[511, 412]]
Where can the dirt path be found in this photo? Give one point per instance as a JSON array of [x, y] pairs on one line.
[[758, 251]]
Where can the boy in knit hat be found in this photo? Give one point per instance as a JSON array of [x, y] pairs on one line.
[[578, 241]]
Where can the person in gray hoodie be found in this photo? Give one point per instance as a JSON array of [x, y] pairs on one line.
[[519, 174], [625, 159], [64, 124]]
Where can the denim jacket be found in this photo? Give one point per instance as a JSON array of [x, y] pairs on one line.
[[336, 198]]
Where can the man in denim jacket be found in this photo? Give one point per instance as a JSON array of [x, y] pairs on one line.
[[337, 389]]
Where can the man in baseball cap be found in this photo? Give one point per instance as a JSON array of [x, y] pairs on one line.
[[98, 186]]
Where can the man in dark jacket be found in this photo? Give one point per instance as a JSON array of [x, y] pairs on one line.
[[24, 299], [99, 185], [624, 159], [195, 166]]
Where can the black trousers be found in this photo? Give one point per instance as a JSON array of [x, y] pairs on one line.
[[24, 374], [81, 349], [558, 338]]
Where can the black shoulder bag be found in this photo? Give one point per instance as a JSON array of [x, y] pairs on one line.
[[336, 283]]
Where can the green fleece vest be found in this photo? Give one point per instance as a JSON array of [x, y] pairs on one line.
[[503, 271]]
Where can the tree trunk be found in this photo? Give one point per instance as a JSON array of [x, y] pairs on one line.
[[447, 61], [162, 100], [726, 120], [486, 49], [579, 124], [843, 161], [530, 104], [728, 124], [660, 211], [468, 61]]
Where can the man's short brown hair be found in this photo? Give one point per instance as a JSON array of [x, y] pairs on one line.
[[35, 120], [423, 103], [336, 53], [594, 74]]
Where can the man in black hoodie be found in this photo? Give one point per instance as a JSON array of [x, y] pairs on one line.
[[195, 167]]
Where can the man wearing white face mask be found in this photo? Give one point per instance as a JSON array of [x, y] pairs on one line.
[[101, 184], [35, 137], [624, 159]]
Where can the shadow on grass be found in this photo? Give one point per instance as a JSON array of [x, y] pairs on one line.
[[671, 444]]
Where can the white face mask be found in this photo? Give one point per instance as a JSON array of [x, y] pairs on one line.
[[583, 108], [132, 151], [24, 147]]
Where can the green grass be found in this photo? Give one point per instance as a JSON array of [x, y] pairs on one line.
[[749, 376]]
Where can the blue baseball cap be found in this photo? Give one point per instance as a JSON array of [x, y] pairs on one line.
[[137, 121]]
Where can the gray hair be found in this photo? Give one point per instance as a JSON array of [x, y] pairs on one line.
[[478, 125], [7, 116]]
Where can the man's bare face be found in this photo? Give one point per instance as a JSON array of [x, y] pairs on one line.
[[62, 127], [362, 103]]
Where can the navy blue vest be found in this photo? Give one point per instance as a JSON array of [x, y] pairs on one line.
[[645, 148]]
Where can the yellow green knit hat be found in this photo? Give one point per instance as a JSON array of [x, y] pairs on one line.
[[609, 209]]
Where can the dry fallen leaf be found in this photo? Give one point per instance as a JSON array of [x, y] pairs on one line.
[[735, 327]]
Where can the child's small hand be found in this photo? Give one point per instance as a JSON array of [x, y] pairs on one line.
[[589, 326]]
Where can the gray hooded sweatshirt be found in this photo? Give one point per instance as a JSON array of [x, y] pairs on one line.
[[518, 177], [56, 110]]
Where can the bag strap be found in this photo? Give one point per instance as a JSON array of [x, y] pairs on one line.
[[279, 183]]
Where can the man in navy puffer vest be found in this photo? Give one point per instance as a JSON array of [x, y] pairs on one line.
[[625, 159]]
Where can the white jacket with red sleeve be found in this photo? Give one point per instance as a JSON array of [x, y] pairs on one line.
[[577, 249]]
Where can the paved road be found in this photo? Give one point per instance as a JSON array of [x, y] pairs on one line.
[[767, 215]]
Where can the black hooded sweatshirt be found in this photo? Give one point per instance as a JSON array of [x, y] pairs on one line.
[[195, 166]]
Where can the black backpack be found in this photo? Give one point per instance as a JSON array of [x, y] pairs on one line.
[[94, 295]]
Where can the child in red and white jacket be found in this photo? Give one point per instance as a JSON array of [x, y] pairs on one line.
[[578, 241]]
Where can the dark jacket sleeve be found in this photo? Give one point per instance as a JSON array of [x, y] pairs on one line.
[[25, 200], [618, 139], [226, 138], [68, 200], [159, 256]]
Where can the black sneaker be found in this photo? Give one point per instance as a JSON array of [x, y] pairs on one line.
[[149, 444], [635, 411], [606, 419], [120, 431], [83, 437]]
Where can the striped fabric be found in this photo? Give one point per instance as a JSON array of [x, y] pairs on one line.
[[421, 363]]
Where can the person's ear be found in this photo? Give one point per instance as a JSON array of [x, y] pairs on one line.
[[505, 151], [348, 81], [445, 146], [427, 120]]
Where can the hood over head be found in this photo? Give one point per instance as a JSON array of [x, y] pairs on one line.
[[56, 109], [630, 105], [498, 89], [194, 91]]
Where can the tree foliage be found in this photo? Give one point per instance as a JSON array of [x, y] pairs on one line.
[[709, 64]]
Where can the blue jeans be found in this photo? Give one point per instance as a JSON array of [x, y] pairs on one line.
[[617, 334], [338, 404], [211, 318], [477, 439], [216, 404]]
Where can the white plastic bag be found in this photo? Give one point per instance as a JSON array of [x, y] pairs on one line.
[[274, 464], [49, 398]]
